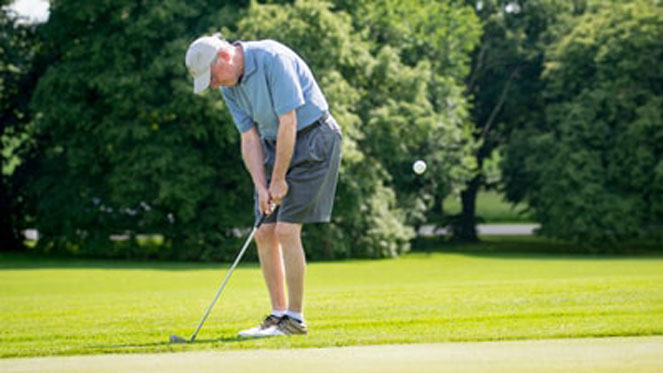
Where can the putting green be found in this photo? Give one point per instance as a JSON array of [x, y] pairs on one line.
[[630, 354]]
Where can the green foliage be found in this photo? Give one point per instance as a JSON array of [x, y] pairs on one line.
[[441, 32], [593, 169], [124, 146], [508, 63], [366, 222], [18, 47], [416, 107], [504, 85], [396, 92]]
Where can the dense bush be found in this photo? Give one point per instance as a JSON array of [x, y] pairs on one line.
[[593, 170], [123, 147]]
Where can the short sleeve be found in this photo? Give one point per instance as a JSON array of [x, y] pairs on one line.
[[243, 121], [286, 92]]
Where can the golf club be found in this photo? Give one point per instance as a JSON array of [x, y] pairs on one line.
[[178, 339]]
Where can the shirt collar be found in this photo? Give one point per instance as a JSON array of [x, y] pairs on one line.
[[249, 61]]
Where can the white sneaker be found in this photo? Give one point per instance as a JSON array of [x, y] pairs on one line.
[[286, 326], [270, 321]]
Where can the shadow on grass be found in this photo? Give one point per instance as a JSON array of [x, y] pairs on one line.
[[503, 247], [18, 260], [532, 247], [166, 343]]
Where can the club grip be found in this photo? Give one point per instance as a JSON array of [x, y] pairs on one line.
[[264, 216]]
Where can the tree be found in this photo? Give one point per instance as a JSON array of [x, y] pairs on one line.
[[415, 107], [592, 171], [366, 221], [123, 145], [397, 93], [18, 46], [504, 84]]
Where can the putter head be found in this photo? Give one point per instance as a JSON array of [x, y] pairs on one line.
[[177, 339]]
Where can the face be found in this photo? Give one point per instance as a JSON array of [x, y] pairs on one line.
[[223, 72]]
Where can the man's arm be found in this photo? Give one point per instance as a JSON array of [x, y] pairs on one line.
[[285, 146], [253, 160]]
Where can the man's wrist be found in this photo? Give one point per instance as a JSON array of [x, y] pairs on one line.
[[262, 188]]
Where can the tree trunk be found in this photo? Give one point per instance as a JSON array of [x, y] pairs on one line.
[[465, 228], [9, 238]]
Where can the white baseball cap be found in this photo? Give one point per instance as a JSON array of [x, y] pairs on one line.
[[199, 59]]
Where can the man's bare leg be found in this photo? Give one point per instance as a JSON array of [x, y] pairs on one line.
[[271, 263], [289, 236]]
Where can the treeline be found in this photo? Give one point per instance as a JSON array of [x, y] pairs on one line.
[[102, 136]]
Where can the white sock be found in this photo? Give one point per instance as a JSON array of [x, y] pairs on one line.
[[278, 313], [296, 315]]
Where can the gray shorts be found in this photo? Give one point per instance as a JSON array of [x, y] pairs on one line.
[[312, 175]]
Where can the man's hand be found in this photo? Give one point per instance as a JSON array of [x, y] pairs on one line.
[[265, 203], [277, 190]]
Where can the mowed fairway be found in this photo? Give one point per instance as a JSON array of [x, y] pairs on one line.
[[60, 307]]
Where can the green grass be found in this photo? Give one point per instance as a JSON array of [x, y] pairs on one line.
[[457, 293], [492, 208]]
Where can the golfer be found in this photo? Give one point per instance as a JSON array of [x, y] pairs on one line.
[[291, 146]]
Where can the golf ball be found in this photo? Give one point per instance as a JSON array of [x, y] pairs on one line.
[[419, 167]]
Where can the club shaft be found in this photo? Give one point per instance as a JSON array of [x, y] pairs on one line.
[[225, 281]]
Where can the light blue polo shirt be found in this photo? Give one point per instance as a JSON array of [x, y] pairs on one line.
[[275, 81]]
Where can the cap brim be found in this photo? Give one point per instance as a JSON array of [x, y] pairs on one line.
[[201, 82]]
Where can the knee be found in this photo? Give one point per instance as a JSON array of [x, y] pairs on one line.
[[286, 232], [265, 235]]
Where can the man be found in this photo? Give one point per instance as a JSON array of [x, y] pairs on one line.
[[290, 145]]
